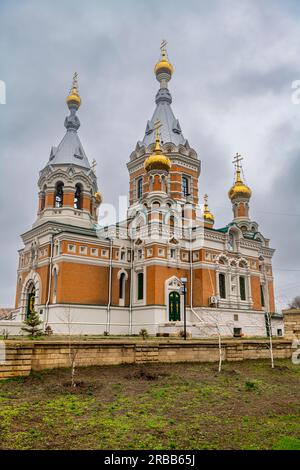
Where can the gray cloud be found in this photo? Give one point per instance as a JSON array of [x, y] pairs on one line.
[[234, 65]]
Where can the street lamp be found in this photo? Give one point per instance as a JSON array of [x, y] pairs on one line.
[[184, 281]]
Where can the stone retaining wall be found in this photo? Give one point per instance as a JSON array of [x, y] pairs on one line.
[[22, 357], [292, 323]]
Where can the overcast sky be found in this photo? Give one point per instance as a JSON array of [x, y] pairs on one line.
[[235, 62]]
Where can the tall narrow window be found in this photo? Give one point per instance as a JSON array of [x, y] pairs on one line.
[[262, 295], [222, 285], [139, 188], [122, 286], [185, 186], [78, 197], [19, 292], [242, 288], [172, 224], [59, 194], [43, 198], [140, 279]]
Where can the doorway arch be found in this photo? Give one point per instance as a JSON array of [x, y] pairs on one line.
[[30, 303], [174, 306]]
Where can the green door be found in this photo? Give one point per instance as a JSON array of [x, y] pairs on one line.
[[174, 306], [30, 302]]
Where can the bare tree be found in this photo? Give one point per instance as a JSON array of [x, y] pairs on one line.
[[213, 326], [295, 304], [73, 351]]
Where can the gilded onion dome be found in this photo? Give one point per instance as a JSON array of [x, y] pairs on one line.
[[239, 189], [73, 99], [207, 215], [163, 69], [98, 197], [157, 161]]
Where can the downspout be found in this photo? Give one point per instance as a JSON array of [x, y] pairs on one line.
[[50, 280], [191, 280], [131, 292], [109, 286]]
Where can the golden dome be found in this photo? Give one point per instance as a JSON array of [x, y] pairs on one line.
[[73, 98], [98, 197], [163, 65], [239, 189], [207, 215], [157, 162]]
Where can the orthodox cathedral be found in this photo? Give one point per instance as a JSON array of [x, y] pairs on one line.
[[167, 260]]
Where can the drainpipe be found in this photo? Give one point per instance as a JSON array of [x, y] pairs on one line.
[[50, 280], [109, 285], [131, 292], [191, 280]]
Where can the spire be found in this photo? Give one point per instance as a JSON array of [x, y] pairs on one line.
[[70, 149], [171, 130]]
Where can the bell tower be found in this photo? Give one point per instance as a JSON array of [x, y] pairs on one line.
[[68, 189], [163, 164]]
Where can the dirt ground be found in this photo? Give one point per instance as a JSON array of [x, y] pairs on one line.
[[167, 406]]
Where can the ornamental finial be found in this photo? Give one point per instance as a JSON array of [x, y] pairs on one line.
[[239, 188], [157, 126], [73, 99], [163, 69]]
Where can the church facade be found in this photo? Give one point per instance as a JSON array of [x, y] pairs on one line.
[[167, 259]]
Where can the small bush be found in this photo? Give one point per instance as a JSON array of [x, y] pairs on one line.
[[32, 325], [144, 333], [181, 334], [252, 385], [5, 333], [48, 330]]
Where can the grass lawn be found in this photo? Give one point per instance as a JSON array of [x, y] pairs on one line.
[[164, 406]]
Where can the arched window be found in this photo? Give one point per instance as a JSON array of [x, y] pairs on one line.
[[172, 224], [185, 186], [139, 188], [59, 194], [20, 292], [231, 242], [43, 198], [78, 196], [122, 287], [222, 285], [242, 288], [140, 286], [262, 295]]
